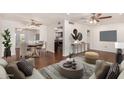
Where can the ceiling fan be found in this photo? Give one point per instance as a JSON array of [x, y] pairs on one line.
[[35, 23], [96, 17]]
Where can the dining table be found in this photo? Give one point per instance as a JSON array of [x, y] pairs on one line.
[[34, 48]]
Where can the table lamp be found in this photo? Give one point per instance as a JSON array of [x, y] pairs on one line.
[[119, 56]]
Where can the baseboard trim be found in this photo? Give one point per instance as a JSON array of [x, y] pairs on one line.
[[101, 51]]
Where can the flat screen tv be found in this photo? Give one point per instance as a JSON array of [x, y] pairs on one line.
[[110, 36]]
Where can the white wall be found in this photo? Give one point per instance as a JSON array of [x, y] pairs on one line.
[[28, 36], [43, 33], [50, 38], [106, 46], [68, 40], [11, 25]]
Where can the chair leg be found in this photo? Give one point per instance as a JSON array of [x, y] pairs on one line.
[[39, 52]]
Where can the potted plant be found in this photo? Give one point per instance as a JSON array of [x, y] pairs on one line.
[[7, 43], [77, 36]]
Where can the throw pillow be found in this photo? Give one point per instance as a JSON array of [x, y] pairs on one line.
[[3, 74], [101, 70], [113, 72], [13, 70], [3, 62], [25, 67]]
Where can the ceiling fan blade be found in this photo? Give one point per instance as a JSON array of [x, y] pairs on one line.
[[105, 17], [97, 20]]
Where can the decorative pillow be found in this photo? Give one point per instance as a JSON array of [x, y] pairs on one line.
[[3, 74], [25, 67], [3, 62], [113, 72], [121, 66], [99, 63], [13, 69], [101, 70]]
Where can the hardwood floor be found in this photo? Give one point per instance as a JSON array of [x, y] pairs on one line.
[[48, 58], [45, 59], [51, 58], [107, 56]]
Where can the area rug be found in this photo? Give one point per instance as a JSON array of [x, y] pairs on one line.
[[52, 71]]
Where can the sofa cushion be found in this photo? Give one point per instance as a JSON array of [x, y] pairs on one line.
[[25, 67], [93, 76], [3, 62], [101, 70], [13, 70], [101, 61], [121, 75], [121, 66], [3, 74], [35, 75], [113, 71]]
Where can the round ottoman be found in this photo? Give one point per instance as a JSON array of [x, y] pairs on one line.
[[91, 57]]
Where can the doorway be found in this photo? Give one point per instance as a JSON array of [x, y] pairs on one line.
[[58, 42]]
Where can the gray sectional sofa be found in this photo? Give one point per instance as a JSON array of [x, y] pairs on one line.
[[36, 74], [121, 67], [3, 74]]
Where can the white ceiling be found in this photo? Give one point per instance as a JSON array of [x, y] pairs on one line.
[[54, 18]]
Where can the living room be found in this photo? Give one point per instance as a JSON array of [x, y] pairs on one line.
[[58, 36], [61, 46]]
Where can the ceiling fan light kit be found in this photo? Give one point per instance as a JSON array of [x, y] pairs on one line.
[[93, 21], [96, 17]]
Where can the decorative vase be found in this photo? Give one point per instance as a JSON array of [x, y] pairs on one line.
[[119, 56], [76, 41], [73, 67]]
